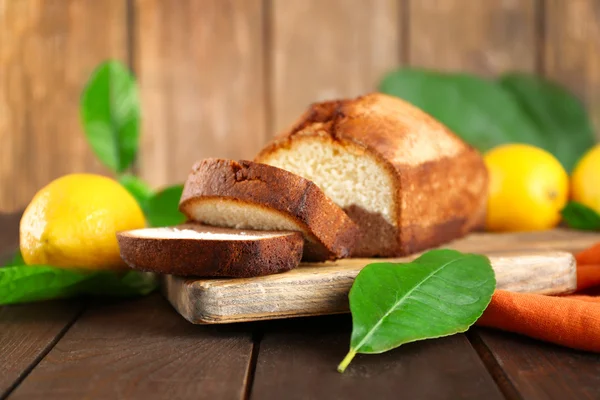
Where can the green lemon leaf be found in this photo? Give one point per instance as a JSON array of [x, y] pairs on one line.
[[559, 115], [480, 111], [163, 207], [110, 113], [579, 216], [441, 293], [138, 189], [27, 283]]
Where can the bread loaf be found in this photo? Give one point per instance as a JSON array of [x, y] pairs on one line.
[[248, 195], [195, 250], [403, 177]]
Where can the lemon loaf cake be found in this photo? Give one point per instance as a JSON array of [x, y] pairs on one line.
[[205, 251], [249, 195], [403, 177]]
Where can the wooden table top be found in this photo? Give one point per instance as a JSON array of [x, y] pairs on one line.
[[142, 349]]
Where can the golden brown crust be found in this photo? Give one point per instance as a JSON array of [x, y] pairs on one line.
[[441, 181], [332, 233], [212, 258], [442, 201]]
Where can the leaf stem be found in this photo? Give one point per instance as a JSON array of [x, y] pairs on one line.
[[346, 361]]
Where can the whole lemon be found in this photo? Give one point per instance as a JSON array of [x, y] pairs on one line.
[[72, 222], [585, 180], [528, 188]]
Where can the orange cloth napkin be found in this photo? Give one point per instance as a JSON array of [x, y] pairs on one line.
[[569, 320]]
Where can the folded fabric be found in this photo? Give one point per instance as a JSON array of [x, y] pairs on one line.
[[570, 320]]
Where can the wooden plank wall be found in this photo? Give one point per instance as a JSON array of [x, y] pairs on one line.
[[218, 77]]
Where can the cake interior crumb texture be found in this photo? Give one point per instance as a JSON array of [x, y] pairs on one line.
[[241, 215], [175, 233], [347, 174]]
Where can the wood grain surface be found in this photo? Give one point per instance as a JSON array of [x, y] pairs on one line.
[[47, 51], [298, 360], [531, 369], [9, 234], [220, 77], [570, 49], [201, 72], [27, 333], [325, 49], [141, 349], [484, 37], [523, 262]]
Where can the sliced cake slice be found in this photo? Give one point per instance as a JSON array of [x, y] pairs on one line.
[[196, 250], [403, 177], [249, 195]]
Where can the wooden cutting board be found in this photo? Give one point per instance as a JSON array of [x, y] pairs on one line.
[[540, 262]]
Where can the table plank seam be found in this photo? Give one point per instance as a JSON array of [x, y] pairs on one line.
[[493, 367], [257, 336], [26, 371]]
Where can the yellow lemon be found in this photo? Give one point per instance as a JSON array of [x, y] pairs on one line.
[[585, 181], [528, 188], [72, 222]]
